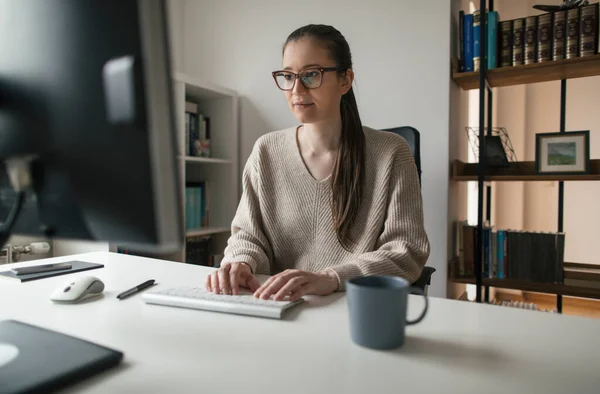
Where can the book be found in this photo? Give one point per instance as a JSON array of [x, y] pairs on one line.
[[559, 37], [476, 40], [506, 31], [572, 48], [518, 41], [468, 42], [544, 38], [461, 41], [588, 30], [492, 37], [531, 27]]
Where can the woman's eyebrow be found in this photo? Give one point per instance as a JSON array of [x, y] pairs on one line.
[[306, 66]]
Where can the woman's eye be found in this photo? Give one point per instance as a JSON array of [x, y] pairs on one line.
[[288, 77], [311, 74]]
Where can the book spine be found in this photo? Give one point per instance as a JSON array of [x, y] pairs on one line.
[[460, 248], [531, 27], [188, 208], [492, 47], [470, 237], [518, 44], [572, 49], [476, 40], [500, 254], [544, 38], [186, 135], [199, 205], [485, 260], [468, 42], [494, 256], [506, 30], [559, 36], [461, 41], [588, 25]]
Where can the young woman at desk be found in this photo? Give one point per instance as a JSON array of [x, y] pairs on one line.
[[327, 200]]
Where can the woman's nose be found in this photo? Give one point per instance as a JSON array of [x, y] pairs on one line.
[[298, 87]]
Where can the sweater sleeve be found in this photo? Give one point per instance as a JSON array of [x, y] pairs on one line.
[[248, 243], [403, 248]]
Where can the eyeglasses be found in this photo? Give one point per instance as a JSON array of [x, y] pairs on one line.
[[311, 78]]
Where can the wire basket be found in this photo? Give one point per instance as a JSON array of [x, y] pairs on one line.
[[473, 137]]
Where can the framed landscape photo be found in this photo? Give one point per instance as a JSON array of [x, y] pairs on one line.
[[562, 153]]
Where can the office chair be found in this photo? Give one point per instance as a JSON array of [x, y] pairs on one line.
[[411, 135]]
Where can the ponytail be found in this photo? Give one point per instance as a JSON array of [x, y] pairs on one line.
[[349, 170]]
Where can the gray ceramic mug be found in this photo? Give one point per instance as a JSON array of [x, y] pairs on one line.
[[377, 310]]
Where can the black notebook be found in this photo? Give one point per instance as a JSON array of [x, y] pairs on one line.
[[36, 360], [76, 266]]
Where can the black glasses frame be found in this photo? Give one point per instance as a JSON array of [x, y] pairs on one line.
[[323, 70]]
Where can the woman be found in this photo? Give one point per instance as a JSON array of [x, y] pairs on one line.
[[327, 200]]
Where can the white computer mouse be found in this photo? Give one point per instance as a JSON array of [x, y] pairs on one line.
[[78, 289]]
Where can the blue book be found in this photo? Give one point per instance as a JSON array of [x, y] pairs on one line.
[[476, 40], [188, 208], [500, 251], [468, 42], [492, 37], [198, 197]]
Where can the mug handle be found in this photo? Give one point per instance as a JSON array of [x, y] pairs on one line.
[[419, 291]]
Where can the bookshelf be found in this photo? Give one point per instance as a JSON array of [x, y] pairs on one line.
[[519, 74], [578, 67], [518, 171], [220, 170]]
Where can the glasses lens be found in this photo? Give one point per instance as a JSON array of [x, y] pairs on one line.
[[285, 80], [311, 78]]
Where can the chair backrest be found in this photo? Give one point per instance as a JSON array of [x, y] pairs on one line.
[[412, 137]]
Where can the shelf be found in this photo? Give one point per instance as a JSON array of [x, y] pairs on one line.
[[518, 171], [206, 231], [208, 160], [530, 73], [586, 272], [553, 288]]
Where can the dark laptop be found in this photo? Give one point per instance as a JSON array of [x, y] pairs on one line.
[[36, 360]]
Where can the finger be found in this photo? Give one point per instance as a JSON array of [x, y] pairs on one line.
[[275, 286], [234, 277], [262, 288], [214, 279], [287, 274], [253, 283], [300, 292], [207, 283], [291, 286], [224, 283]]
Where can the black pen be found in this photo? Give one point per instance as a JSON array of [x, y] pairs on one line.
[[136, 289]]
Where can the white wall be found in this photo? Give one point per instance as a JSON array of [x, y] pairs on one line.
[[401, 51]]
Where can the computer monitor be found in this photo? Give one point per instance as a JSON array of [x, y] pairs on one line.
[[86, 107]]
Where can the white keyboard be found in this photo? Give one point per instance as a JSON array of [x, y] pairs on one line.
[[199, 298]]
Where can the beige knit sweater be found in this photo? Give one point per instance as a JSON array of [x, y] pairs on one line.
[[284, 219]]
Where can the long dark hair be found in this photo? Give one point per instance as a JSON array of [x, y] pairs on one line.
[[349, 169]]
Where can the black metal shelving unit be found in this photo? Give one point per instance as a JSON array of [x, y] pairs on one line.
[[485, 88]]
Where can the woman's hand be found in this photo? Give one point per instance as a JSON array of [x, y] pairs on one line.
[[297, 283], [230, 277]]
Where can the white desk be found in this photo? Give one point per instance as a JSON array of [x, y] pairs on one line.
[[458, 348]]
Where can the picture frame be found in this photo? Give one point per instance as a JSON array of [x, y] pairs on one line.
[[562, 153]]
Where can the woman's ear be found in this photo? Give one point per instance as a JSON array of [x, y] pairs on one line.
[[347, 80]]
